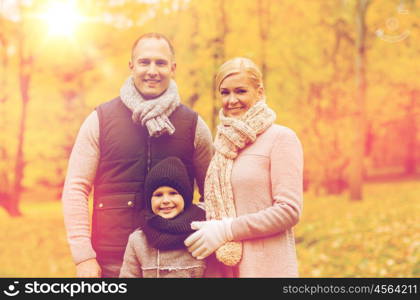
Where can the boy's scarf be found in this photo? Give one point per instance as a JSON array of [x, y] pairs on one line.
[[154, 113], [169, 234], [232, 136]]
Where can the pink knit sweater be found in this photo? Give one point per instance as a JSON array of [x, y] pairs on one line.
[[267, 187]]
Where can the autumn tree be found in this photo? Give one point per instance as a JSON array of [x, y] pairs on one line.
[[5, 180], [265, 23], [356, 168], [316, 58], [25, 65]]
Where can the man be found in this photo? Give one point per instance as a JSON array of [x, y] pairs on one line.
[[116, 146]]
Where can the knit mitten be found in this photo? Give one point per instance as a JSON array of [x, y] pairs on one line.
[[210, 235]]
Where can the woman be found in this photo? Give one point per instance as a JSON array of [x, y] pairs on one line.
[[253, 188]]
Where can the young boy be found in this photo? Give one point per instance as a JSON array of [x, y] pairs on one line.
[[157, 249]]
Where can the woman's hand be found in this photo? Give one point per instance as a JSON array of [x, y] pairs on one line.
[[210, 235]]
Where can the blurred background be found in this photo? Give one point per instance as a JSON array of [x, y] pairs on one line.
[[343, 74]]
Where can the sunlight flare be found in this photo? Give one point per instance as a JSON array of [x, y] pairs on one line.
[[62, 18]]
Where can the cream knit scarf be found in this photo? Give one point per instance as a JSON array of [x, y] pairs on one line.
[[154, 114], [232, 136]]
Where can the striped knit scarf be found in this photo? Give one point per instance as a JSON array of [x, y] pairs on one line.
[[232, 136], [154, 113]]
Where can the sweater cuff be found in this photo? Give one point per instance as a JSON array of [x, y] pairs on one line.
[[238, 234], [82, 252]]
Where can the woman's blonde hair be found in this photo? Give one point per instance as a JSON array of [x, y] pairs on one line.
[[237, 65]]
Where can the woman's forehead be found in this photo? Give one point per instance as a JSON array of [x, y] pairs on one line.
[[241, 78]]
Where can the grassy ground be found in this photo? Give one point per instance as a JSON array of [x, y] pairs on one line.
[[35, 245], [377, 237]]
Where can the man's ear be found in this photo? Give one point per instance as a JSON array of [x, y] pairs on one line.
[[260, 92], [130, 65], [173, 68]]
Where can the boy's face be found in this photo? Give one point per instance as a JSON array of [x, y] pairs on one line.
[[167, 202]]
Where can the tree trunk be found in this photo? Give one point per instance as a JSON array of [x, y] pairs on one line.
[[411, 129], [25, 63], [13, 203], [193, 47], [219, 57], [356, 167], [5, 186], [4, 63], [263, 8]]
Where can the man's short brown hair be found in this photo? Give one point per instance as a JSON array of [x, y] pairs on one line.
[[154, 35]]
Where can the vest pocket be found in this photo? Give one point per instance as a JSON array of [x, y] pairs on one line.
[[114, 218]]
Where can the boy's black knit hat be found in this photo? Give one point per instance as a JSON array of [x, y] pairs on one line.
[[168, 172]]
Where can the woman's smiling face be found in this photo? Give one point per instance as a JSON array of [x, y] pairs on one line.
[[239, 93]]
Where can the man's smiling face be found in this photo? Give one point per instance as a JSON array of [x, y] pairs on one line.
[[152, 66]]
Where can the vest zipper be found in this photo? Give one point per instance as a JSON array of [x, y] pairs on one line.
[[149, 158], [158, 264]]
